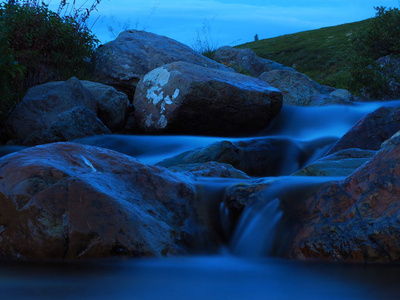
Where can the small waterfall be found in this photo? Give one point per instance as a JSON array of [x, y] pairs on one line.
[[261, 229], [256, 230]]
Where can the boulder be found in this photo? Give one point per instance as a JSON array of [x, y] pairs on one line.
[[246, 61], [111, 104], [371, 131], [185, 98], [298, 89], [210, 169], [256, 157], [125, 60], [356, 219], [69, 201], [55, 111], [341, 163]]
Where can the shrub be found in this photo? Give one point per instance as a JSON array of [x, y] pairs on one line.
[[380, 37], [38, 45]]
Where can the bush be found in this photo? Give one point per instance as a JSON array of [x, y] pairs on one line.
[[381, 37], [38, 45]]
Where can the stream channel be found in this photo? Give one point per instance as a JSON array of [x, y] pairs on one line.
[[246, 267]]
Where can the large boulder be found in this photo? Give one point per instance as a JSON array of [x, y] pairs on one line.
[[125, 60], [66, 200], [246, 61], [111, 105], [356, 219], [298, 89], [55, 111], [185, 98], [371, 131], [341, 163]]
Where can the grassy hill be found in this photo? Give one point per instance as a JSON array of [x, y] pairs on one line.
[[321, 54]]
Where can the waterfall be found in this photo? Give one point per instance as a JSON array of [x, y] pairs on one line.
[[256, 234], [256, 231]]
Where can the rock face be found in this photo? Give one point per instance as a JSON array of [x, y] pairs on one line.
[[65, 200], [371, 131], [298, 89], [124, 61], [111, 104], [55, 111], [355, 219], [189, 99], [246, 61], [341, 163]]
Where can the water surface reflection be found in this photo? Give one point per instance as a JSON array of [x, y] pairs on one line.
[[204, 277]]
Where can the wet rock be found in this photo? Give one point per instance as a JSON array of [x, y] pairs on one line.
[[66, 200], [257, 157], [341, 163], [371, 131], [210, 169], [239, 196], [55, 111], [125, 60], [111, 104], [355, 219], [246, 61], [189, 99]]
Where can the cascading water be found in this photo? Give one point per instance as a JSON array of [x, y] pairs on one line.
[[258, 233]]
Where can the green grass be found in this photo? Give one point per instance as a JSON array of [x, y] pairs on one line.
[[321, 54]]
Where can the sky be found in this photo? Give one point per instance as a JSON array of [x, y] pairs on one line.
[[225, 22]]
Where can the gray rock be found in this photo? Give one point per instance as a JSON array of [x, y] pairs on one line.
[[246, 61], [55, 111], [341, 163], [111, 104], [296, 88], [124, 61], [189, 99], [300, 90]]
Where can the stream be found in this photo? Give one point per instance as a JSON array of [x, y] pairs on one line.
[[248, 266]]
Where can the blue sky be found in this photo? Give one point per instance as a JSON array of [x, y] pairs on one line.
[[227, 22]]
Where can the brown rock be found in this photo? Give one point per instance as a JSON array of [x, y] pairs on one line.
[[355, 219], [66, 200], [371, 131]]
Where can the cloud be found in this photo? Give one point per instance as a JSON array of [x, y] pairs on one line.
[[234, 19]]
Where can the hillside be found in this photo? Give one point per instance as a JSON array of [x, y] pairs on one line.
[[320, 53]]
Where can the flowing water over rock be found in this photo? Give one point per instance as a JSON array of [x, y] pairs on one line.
[[242, 269]]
